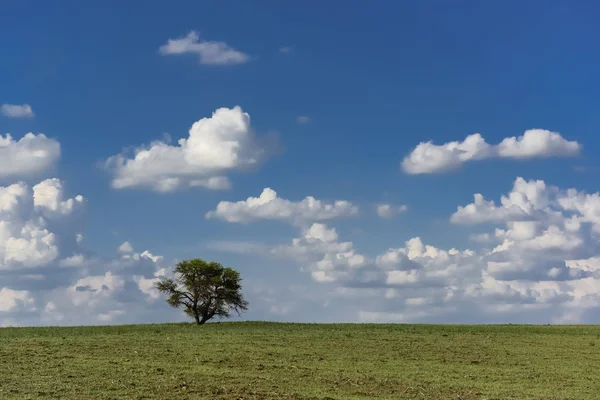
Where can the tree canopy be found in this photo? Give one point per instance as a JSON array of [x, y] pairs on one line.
[[204, 289]]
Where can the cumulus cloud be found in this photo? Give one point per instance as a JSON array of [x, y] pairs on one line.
[[103, 291], [125, 248], [389, 210], [541, 230], [538, 143], [529, 200], [76, 260], [209, 52], [542, 265], [31, 155], [215, 146], [481, 211], [425, 274], [33, 246], [326, 258], [93, 289], [429, 158], [48, 277], [17, 111], [49, 195], [13, 300], [25, 236], [270, 206]]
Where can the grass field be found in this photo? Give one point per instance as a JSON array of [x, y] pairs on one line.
[[300, 361]]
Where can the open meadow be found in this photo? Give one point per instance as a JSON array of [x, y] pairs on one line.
[[300, 361]]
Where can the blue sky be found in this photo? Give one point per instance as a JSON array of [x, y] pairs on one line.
[[373, 82]]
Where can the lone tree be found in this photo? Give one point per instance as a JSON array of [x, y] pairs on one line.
[[204, 289]]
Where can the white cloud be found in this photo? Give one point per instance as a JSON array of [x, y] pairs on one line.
[[13, 300], [545, 229], [32, 154], [49, 195], [544, 268], [285, 49], [534, 200], [303, 120], [11, 196], [17, 111], [148, 285], [77, 260], [125, 248], [525, 201], [587, 206], [389, 211], [25, 237], [481, 211], [321, 233], [321, 254], [428, 158], [481, 237], [270, 206], [48, 278], [415, 266], [93, 289], [215, 146], [111, 315], [538, 143], [209, 52], [398, 317], [33, 247], [420, 265]]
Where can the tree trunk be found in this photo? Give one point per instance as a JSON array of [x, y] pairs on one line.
[[206, 316], [197, 318]]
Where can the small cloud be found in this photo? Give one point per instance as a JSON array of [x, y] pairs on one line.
[[285, 50], [76, 260], [125, 248], [30, 155], [430, 158], [269, 206], [303, 119], [211, 53], [389, 211], [481, 238], [583, 169], [17, 111]]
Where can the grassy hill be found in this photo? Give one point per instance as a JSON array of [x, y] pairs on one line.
[[300, 361]]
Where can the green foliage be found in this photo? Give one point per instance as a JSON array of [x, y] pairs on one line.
[[204, 290], [269, 361]]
